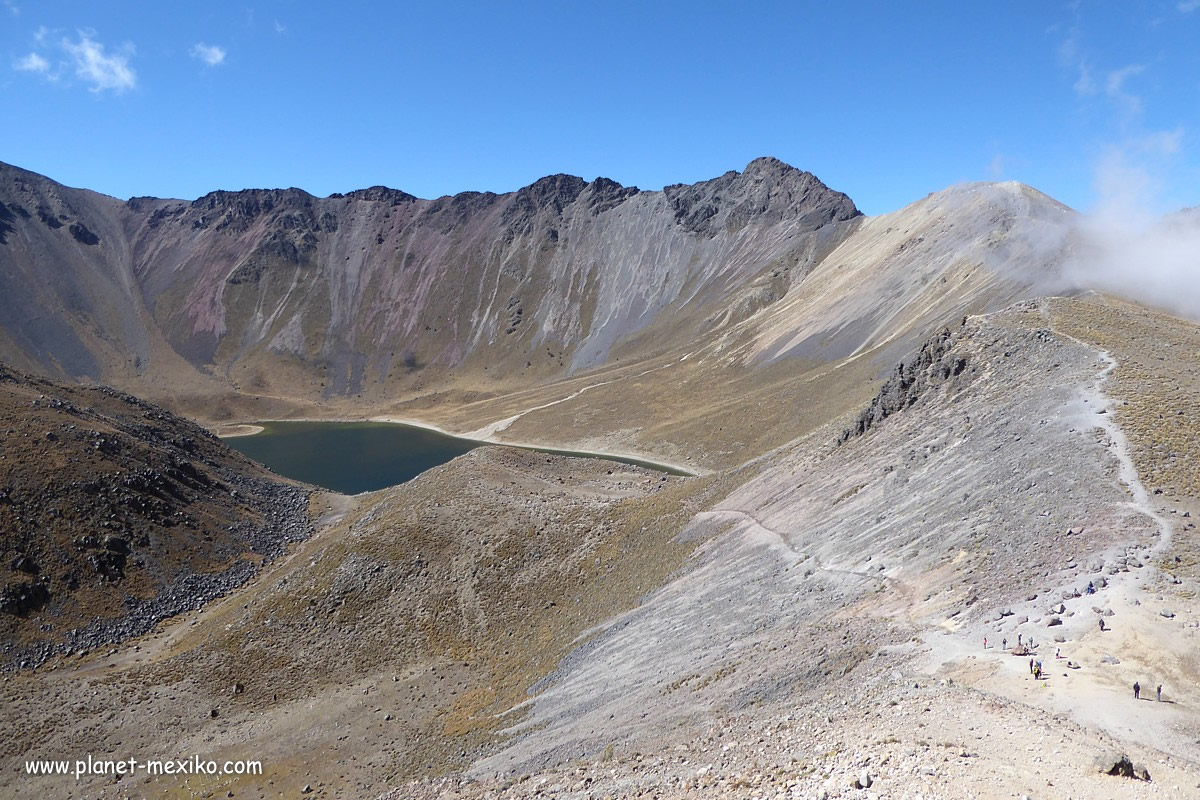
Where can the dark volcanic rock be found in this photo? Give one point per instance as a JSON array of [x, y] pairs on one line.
[[935, 363], [768, 191], [83, 235]]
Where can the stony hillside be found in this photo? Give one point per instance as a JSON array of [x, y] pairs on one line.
[[513, 624], [115, 514], [277, 289]]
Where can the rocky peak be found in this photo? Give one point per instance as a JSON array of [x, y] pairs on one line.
[[378, 194], [604, 193], [767, 191], [554, 191]]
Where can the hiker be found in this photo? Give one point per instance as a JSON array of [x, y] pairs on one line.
[[1004, 644], [1137, 691], [1159, 690], [1102, 624], [1037, 672], [985, 643], [1091, 588], [1058, 652], [1019, 639], [1031, 666]]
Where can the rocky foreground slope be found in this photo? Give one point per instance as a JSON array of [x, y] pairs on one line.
[[115, 514], [810, 624]]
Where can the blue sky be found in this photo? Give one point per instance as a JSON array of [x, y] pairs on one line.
[[886, 101]]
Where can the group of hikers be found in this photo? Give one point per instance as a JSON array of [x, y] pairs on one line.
[[1035, 666]]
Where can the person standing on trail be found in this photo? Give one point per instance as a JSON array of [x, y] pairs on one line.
[[1019, 639], [985, 643], [1159, 690], [1031, 666], [1137, 690], [1004, 644], [1102, 624]]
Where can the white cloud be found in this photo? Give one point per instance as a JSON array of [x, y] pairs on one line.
[[101, 70], [1084, 85], [1132, 244], [1115, 83], [1160, 143], [1114, 87], [13, 7], [996, 168], [210, 54], [279, 27], [1071, 57], [1188, 6], [32, 63]]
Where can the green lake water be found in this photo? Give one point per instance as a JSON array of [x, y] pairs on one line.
[[353, 457]]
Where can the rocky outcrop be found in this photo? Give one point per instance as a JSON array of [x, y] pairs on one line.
[[935, 364], [1119, 765]]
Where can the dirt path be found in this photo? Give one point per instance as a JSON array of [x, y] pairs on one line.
[[1137, 644]]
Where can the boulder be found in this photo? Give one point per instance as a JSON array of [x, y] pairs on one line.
[[1116, 763]]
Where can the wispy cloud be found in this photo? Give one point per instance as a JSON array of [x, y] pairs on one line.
[[1084, 84], [32, 63], [996, 167], [101, 70], [1071, 57], [1188, 6], [1159, 143], [13, 8], [1114, 87], [210, 54], [279, 26]]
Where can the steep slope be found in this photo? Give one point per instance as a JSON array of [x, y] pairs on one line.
[[279, 291], [114, 515], [814, 352]]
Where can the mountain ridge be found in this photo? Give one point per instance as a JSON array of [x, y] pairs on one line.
[[275, 303]]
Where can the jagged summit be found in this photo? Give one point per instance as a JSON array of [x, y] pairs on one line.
[[767, 191]]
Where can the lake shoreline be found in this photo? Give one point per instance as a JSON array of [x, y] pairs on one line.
[[251, 429], [234, 431]]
